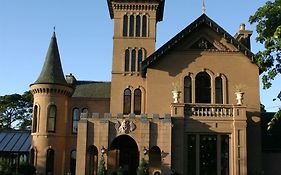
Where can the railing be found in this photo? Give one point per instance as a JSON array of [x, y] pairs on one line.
[[208, 110]]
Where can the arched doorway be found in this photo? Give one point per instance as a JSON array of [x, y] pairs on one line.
[[123, 153], [155, 160]]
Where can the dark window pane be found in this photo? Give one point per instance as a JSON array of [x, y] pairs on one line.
[[203, 88], [125, 25], [208, 154], [138, 26], [137, 102], [224, 155], [50, 162], [35, 118], [52, 118], [133, 61], [72, 162], [191, 154], [127, 59], [219, 93], [32, 156], [144, 26], [187, 90], [127, 101], [140, 56], [75, 119], [132, 25]]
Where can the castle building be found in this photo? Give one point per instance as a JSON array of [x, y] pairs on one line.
[[190, 107]]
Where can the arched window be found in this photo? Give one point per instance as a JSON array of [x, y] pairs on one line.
[[127, 101], [144, 26], [52, 113], [140, 56], [35, 118], [50, 159], [203, 88], [75, 119], [187, 89], [133, 61], [138, 23], [219, 93], [132, 25], [92, 160], [32, 156], [85, 111], [125, 25], [137, 101], [73, 162], [127, 60]]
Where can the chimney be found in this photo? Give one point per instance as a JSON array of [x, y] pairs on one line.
[[243, 36]]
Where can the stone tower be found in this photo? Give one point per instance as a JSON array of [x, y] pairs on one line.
[[134, 39], [49, 129]]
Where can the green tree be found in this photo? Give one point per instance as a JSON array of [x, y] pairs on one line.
[[268, 19], [143, 168], [101, 167], [16, 111]]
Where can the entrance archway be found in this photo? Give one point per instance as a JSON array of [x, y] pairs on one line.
[[123, 153]]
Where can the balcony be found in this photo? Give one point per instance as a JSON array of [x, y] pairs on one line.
[[208, 111]]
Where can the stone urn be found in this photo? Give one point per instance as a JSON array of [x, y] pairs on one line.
[[239, 97], [176, 96]]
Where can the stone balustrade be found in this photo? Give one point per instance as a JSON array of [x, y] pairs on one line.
[[216, 111]]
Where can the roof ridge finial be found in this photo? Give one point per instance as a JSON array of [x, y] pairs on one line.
[[203, 7]]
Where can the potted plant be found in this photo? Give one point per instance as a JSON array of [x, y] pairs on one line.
[[176, 91], [239, 93]]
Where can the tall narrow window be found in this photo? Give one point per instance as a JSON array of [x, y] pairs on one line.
[[138, 23], [187, 89], [73, 162], [52, 112], [75, 119], [125, 25], [140, 56], [133, 61], [203, 88], [50, 159], [35, 118], [127, 60], [219, 93], [132, 26], [127, 101], [137, 101], [144, 26], [32, 156]]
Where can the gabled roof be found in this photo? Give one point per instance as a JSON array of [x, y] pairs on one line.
[[160, 10], [92, 89], [15, 141], [172, 43], [52, 72]]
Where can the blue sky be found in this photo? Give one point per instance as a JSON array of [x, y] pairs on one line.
[[84, 33]]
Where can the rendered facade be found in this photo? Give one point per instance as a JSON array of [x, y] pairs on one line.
[[177, 107]]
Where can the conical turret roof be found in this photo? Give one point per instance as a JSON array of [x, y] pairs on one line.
[[52, 72]]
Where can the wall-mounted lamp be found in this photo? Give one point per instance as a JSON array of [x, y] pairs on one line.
[[145, 151], [163, 154], [103, 150]]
